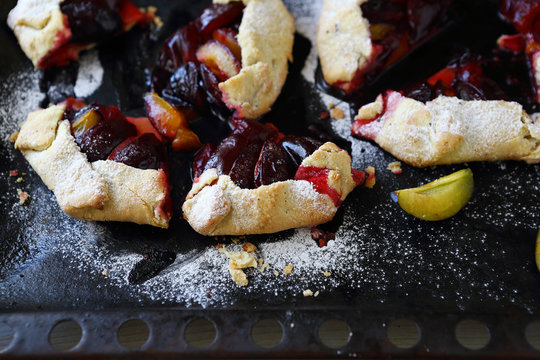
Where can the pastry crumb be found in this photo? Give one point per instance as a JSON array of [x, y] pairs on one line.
[[239, 260], [307, 293], [219, 246], [19, 180], [316, 293], [288, 269], [249, 247], [337, 113], [235, 240], [395, 167], [261, 261], [331, 105], [105, 272], [370, 181], [327, 273], [23, 196], [276, 273]]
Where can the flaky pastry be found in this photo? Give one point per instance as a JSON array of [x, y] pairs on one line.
[[266, 36], [217, 206], [343, 40], [103, 190], [448, 130]]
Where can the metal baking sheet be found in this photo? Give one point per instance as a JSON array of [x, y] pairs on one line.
[[384, 264]]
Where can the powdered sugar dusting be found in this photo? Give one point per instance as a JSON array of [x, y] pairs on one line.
[[90, 74], [365, 258]]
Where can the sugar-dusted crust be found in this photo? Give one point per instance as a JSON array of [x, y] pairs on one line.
[[266, 38], [343, 40], [448, 130], [103, 190], [36, 24], [217, 206]]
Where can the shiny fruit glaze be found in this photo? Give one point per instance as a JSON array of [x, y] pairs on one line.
[[255, 154], [103, 133], [397, 27], [197, 57], [87, 22]]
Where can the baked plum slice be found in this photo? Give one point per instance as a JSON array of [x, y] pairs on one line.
[[144, 152], [103, 133], [469, 76], [197, 57], [255, 154]]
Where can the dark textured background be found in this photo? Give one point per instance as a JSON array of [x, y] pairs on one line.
[[509, 249]]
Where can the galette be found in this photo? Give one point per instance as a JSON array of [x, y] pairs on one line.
[[233, 57], [54, 32], [99, 164], [259, 180], [357, 40], [468, 111]]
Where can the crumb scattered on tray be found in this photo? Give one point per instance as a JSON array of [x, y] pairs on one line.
[[370, 181], [327, 273], [316, 293], [288, 269], [249, 247], [239, 260], [307, 292], [105, 272], [23, 196], [19, 180], [395, 167], [337, 113]]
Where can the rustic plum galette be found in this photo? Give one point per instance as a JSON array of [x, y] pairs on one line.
[[260, 181], [54, 32], [358, 39], [100, 164], [462, 113], [233, 56]]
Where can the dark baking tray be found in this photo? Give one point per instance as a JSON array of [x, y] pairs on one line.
[[476, 265]]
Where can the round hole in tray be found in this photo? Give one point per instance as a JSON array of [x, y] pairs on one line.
[[403, 333], [267, 333], [65, 335], [334, 333], [133, 333], [200, 333], [532, 334], [472, 334], [6, 335]]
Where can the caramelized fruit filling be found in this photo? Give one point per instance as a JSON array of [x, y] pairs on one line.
[[198, 56], [103, 133], [87, 22], [502, 76], [396, 28], [255, 154]]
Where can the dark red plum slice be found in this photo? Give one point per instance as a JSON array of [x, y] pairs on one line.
[[100, 140], [143, 152], [273, 165], [242, 171]]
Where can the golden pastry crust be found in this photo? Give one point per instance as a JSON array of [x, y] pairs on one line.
[[343, 40], [217, 206], [36, 24], [103, 190], [266, 37], [448, 130]]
